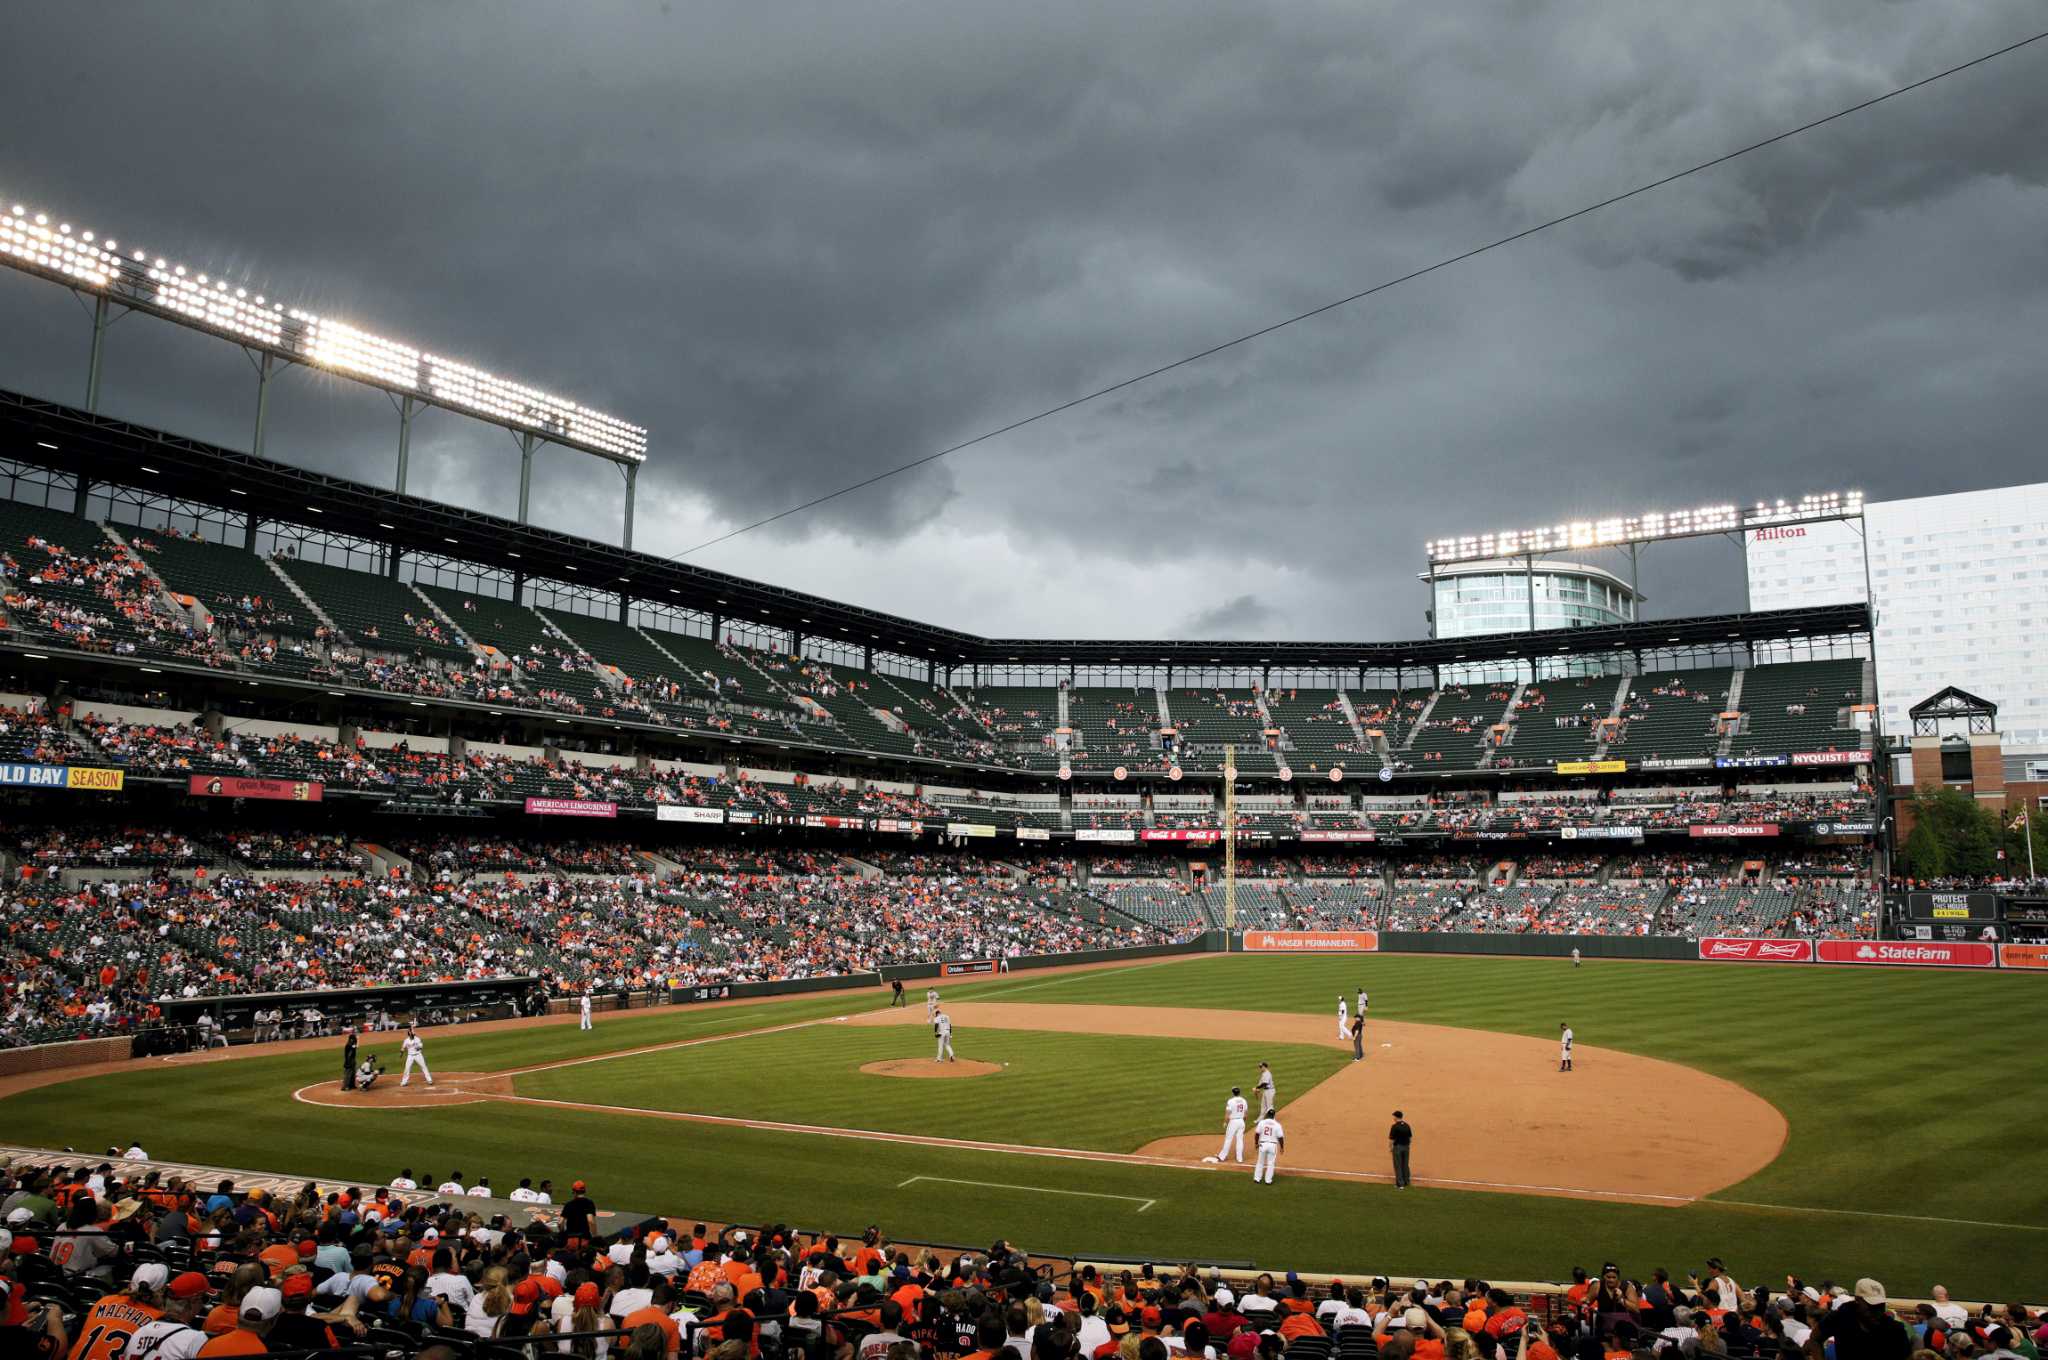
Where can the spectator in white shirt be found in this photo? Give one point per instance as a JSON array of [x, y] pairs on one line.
[[404, 1181], [448, 1284], [1949, 1312], [451, 1186], [483, 1188]]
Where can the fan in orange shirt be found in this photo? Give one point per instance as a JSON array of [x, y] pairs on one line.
[[104, 1332]]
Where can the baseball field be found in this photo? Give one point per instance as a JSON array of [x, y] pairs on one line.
[[1827, 1121]]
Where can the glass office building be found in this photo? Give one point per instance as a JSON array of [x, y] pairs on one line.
[[1505, 596]]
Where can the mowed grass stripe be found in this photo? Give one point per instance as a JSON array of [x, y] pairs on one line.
[[1907, 1092], [1106, 1093]]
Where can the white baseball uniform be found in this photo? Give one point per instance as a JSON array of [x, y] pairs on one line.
[[415, 1053], [1564, 1046], [1268, 1134], [1268, 1093], [943, 1027], [931, 1003], [1233, 1128], [585, 1011], [1343, 1018], [1575, 956]]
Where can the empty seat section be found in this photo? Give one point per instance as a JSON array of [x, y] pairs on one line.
[[1670, 715], [1454, 735], [1800, 706], [234, 584], [1208, 719], [1559, 719]]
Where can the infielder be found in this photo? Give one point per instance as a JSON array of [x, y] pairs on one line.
[[1271, 1138], [584, 1011], [1266, 1090], [415, 1054], [931, 1003], [1343, 1018], [1233, 1126], [942, 1026], [1564, 1047]]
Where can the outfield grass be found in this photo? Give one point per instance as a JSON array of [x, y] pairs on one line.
[[1905, 1092], [1043, 1097]]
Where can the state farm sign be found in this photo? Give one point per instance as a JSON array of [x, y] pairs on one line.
[[1738, 949], [1916, 953]]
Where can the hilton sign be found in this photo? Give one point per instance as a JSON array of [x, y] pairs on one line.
[[1777, 532]]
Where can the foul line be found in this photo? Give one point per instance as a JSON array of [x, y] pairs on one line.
[[1068, 1154], [1874, 1213], [664, 1048], [1142, 1203]]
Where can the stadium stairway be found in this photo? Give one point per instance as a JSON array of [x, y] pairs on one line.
[[1421, 720], [1165, 713], [1621, 688], [301, 596], [1506, 719], [1734, 705], [1357, 728], [454, 629], [193, 617]]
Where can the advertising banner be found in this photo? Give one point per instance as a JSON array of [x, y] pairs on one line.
[[1338, 836], [1115, 836], [836, 823], [1749, 762], [899, 826], [1740, 949], [1176, 834], [1033, 833], [569, 807], [674, 812], [2031, 957], [1591, 766], [14, 775], [977, 829], [1731, 830], [1600, 833], [1676, 763], [1830, 757], [967, 967], [1952, 906], [1844, 828], [1916, 953], [281, 790], [1311, 941]]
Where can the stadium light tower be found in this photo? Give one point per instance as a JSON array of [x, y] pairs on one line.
[[119, 280]]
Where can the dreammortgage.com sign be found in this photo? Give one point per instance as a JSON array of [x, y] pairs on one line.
[[91, 777]]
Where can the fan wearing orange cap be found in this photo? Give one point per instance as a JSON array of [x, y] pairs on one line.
[[588, 1315]]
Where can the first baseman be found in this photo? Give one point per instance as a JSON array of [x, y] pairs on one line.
[[1233, 1126]]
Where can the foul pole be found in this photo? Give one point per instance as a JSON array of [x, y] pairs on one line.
[[1230, 838]]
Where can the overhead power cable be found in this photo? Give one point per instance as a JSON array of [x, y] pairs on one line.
[[1359, 296]]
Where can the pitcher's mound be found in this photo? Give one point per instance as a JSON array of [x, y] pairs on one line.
[[926, 1067], [449, 1088]]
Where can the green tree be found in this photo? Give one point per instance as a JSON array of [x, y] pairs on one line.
[[1953, 834]]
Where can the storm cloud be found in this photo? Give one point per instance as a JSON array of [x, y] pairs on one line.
[[805, 243]]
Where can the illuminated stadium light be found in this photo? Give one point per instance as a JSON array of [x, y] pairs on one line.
[[1621, 530], [31, 242]]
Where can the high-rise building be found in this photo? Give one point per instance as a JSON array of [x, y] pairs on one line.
[[1959, 587]]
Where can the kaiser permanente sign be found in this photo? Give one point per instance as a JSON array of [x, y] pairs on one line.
[[61, 777]]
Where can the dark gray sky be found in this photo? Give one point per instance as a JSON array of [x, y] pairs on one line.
[[802, 243]]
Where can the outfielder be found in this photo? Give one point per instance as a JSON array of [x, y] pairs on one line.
[[1267, 1095], [415, 1053], [1575, 956], [1564, 1047], [584, 1010], [1233, 1126], [942, 1026], [1271, 1138], [931, 1003], [1343, 1018]]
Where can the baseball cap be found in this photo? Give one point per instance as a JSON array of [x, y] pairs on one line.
[[150, 1275], [1224, 1295], [1869, 1290], [190, 1285], [1116, 1321], [1244, 1345], [261, 1304], [586, 1295], [1150, 1317], [431, 1235], [23, 1215], [296, 1286], [557, 1272], [659, 1243], [578, 1187], [1417, 1319], [525, 1294]]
